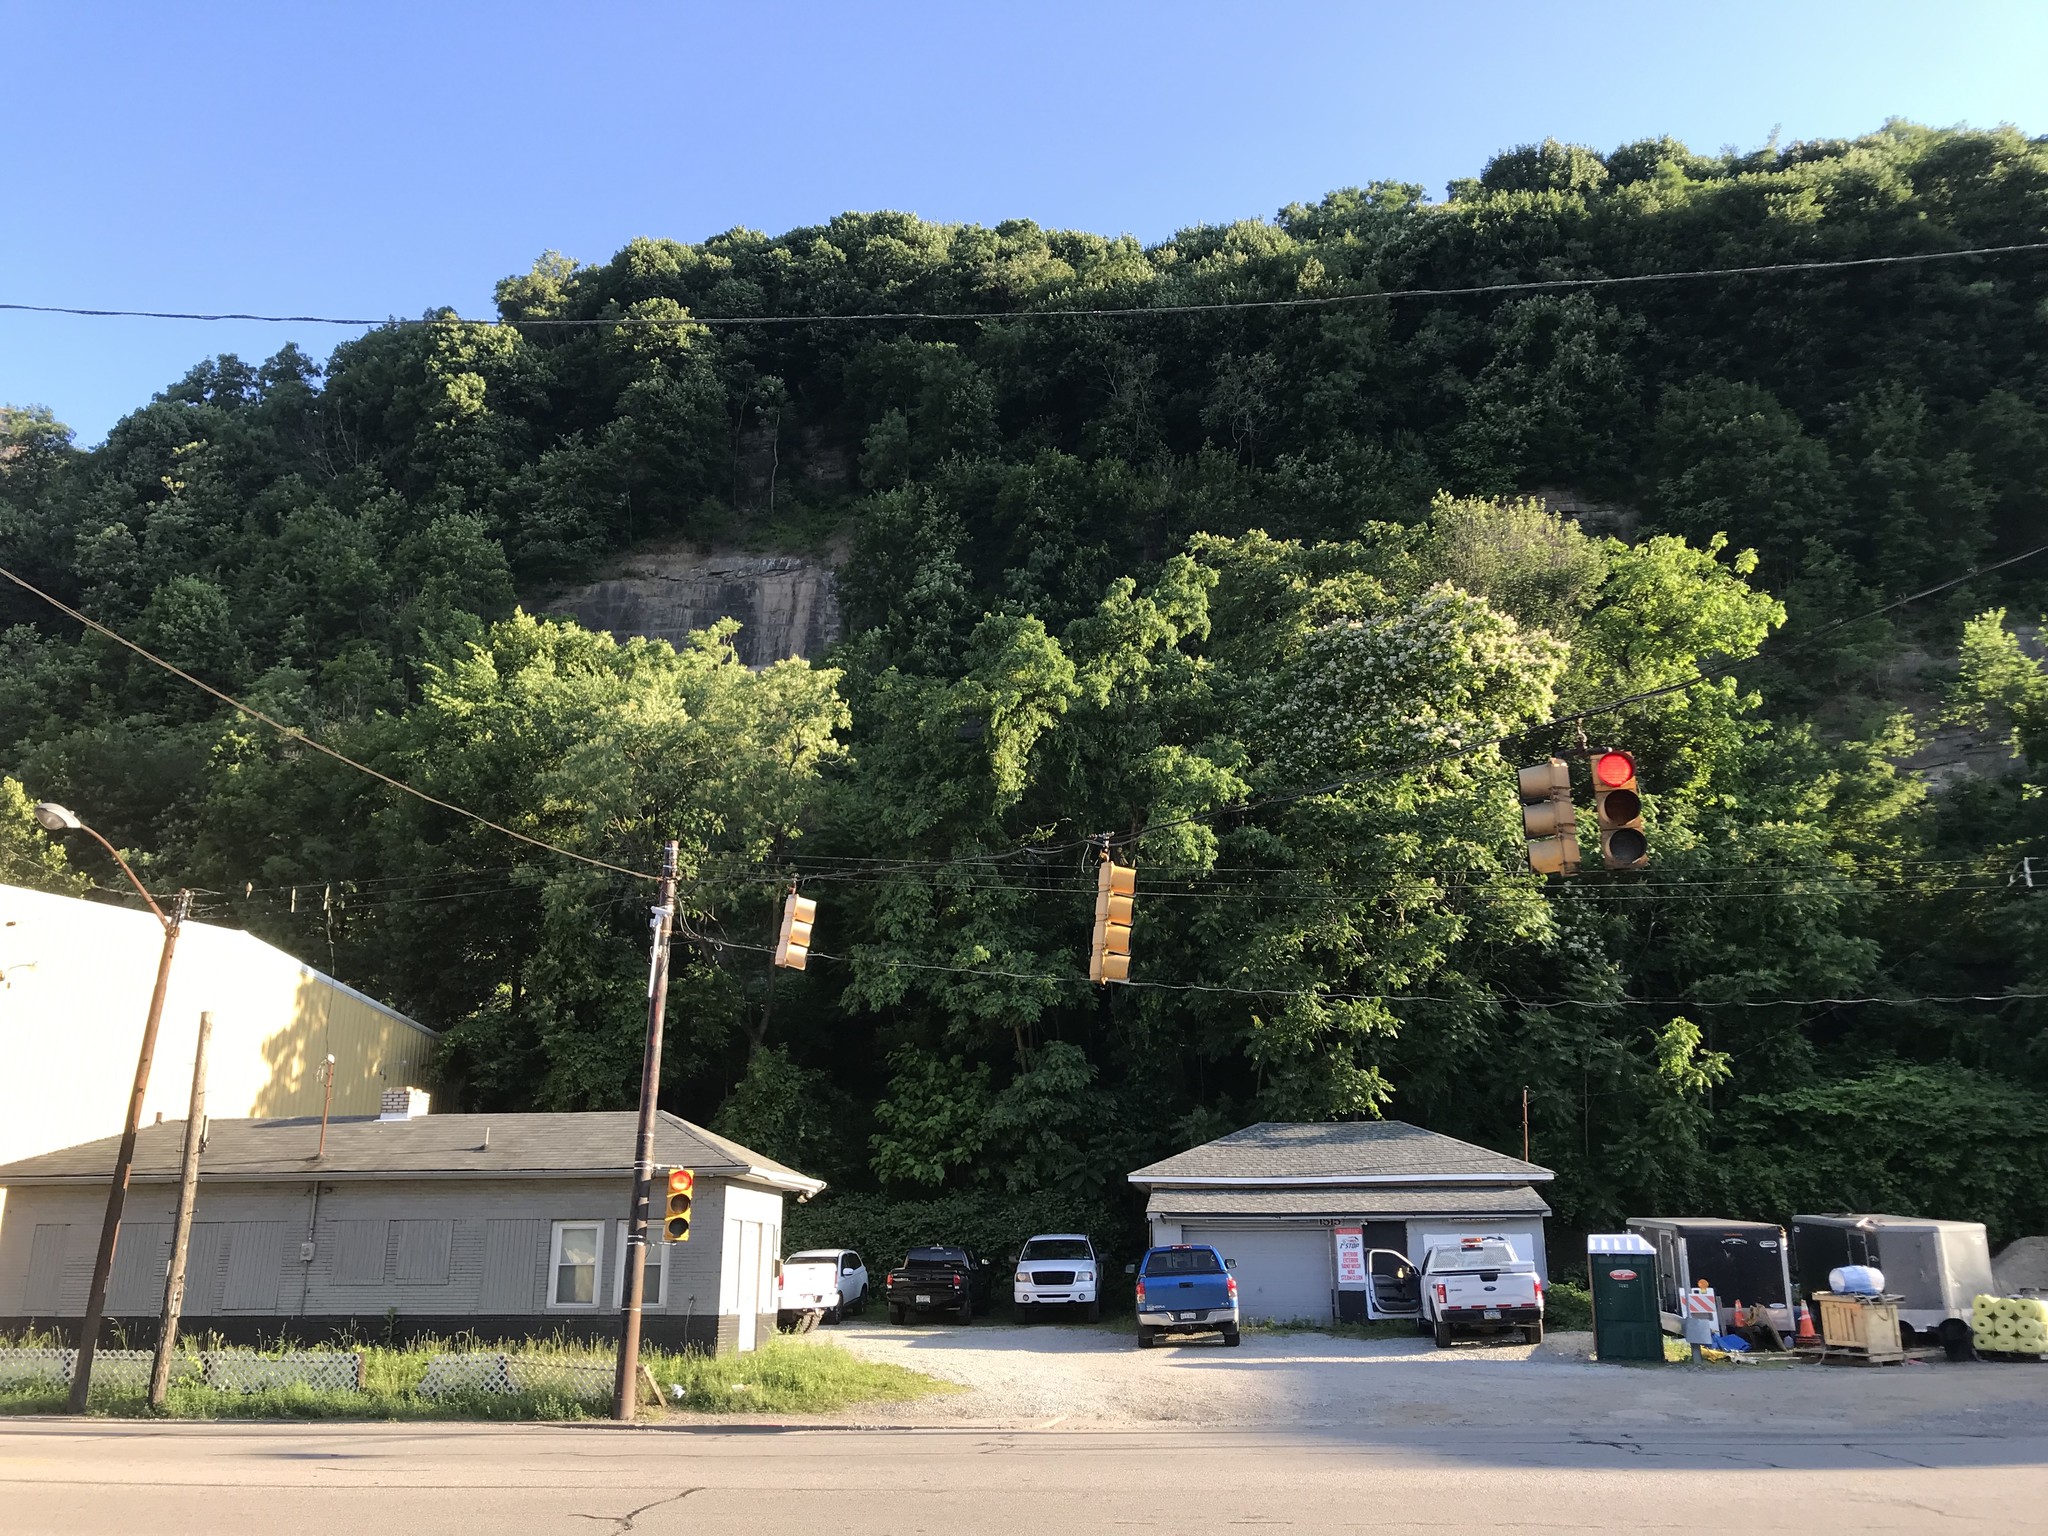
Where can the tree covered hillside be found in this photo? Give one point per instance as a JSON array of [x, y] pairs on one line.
[[1278, 593]]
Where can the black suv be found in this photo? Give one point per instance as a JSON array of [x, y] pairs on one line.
[[939, 1279]]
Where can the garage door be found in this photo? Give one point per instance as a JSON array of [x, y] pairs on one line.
[[1284, 1274]]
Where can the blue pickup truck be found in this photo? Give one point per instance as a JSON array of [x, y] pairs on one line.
[[1187, 1288]]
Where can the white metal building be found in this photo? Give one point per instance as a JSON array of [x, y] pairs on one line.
[[1274, 1197]]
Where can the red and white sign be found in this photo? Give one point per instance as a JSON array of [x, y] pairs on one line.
[[1621, 1274], [1350, 1256], [1701, 1304]]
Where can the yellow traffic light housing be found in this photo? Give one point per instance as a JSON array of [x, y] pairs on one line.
[[1109, 953], [793, 944], [675, 1215], [1549, 823], [1618, 806]]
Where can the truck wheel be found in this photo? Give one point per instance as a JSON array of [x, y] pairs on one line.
[[1231, 1337], [1443, 1335], [1533, 1335], [1092, 1313], [831, 1314], [1147, 1337], [895, 1313], [967, 1310]]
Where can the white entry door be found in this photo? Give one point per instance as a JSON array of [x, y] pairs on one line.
[[1284, 1274]]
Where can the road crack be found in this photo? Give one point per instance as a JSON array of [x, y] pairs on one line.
[[624, 1523]]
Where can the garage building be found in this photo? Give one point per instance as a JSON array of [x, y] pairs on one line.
[[1275, 1196]]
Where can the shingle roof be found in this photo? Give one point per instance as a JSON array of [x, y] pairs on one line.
[[595, 1143], [1355, 1203], [1360, 1151]]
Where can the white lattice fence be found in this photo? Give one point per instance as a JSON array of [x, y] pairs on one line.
[[115, 1370], [476, 1371], [234, 1370]]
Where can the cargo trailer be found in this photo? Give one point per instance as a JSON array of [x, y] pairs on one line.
[[1936, 1268], [1743, 1261]]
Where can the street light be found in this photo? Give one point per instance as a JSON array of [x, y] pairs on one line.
[[55, 818]]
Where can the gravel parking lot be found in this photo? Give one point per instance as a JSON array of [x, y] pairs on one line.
[[1097, 1377]]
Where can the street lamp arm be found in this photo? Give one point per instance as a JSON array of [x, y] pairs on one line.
[[141, 889]]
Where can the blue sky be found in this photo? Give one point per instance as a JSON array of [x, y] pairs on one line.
[[376, 159]]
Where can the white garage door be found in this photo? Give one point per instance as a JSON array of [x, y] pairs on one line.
[[1284, 1274]]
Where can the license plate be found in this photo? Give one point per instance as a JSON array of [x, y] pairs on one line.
[[1492, 1314], [925, 1301], [1184, 1317]]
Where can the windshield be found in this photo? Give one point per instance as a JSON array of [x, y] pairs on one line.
[[936, 1256], [1184, 1261], [1056, 1248], [811, 1261]]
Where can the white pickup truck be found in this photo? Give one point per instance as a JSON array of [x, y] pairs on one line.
[[1479, 1285]]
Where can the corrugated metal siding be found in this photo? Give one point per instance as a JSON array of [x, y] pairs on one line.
[[141, 1255], [514, 1256], [422, 1250], [359, 1251], [46, 1267], [80, 977], [205, 1268], [255, 1266]]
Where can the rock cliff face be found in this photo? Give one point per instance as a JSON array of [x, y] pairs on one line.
[[787, 605]]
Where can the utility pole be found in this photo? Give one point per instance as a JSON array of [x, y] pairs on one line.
[[181, 1232], [1525, 1125], [626, 1384], [124, 1159]]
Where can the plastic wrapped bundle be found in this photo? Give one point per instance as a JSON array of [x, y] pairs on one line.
[[1856, 1280]]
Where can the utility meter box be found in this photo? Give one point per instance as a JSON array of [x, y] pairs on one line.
[[1621, 1271]]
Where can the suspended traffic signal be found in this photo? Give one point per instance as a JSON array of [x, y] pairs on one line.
[[1109, 953], [675, 1215], [1548, 821], [1619, 809], [793, 944]]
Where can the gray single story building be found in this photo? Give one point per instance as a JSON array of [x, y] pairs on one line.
[[1285, 1201], [506, 1226]]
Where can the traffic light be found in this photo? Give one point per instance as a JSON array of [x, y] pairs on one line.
[[675, 1215], [1109, 954], [1548, 821], [1619, 808], [793, 944]]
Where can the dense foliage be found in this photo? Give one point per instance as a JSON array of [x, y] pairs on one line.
[[1149, 573]]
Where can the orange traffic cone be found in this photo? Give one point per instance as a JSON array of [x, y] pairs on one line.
[[1741, 1319], [1806, 1334]]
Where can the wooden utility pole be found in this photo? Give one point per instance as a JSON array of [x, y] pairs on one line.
[[181, 1232], [625, 1385], [1525, 1125], [124, 1158]]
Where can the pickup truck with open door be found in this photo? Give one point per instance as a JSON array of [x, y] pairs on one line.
[[1477, 1285]]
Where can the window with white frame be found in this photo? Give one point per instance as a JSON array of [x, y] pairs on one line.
[[572, 1268], [654, 1289]]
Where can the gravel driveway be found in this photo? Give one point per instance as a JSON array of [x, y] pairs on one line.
[[1098, 1377]]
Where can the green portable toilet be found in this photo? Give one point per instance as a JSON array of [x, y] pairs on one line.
[[1621, 1269]]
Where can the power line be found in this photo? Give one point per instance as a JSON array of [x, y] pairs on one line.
[[292, 733], [1305, 301]]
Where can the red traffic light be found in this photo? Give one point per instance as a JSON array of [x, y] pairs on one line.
[[681, 1181], [1613, 769]]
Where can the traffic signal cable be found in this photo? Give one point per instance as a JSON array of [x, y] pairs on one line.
[[293, 733]]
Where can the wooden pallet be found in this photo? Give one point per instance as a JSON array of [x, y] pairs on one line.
[[1823, 1354], [2004, 1355]]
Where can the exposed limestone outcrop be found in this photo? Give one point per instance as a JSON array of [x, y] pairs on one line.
[[787, 605]]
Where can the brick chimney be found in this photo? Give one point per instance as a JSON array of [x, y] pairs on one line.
[[403, 1104]]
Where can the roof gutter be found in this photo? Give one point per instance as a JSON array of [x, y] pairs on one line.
[[312, 1170], [1331, 1180]]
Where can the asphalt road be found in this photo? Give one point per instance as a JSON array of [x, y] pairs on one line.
[[86, 1478]]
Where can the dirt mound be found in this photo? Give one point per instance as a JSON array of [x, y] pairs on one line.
[[2021, 1265]]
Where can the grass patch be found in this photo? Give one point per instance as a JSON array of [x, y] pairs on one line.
[[783, 1376]]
